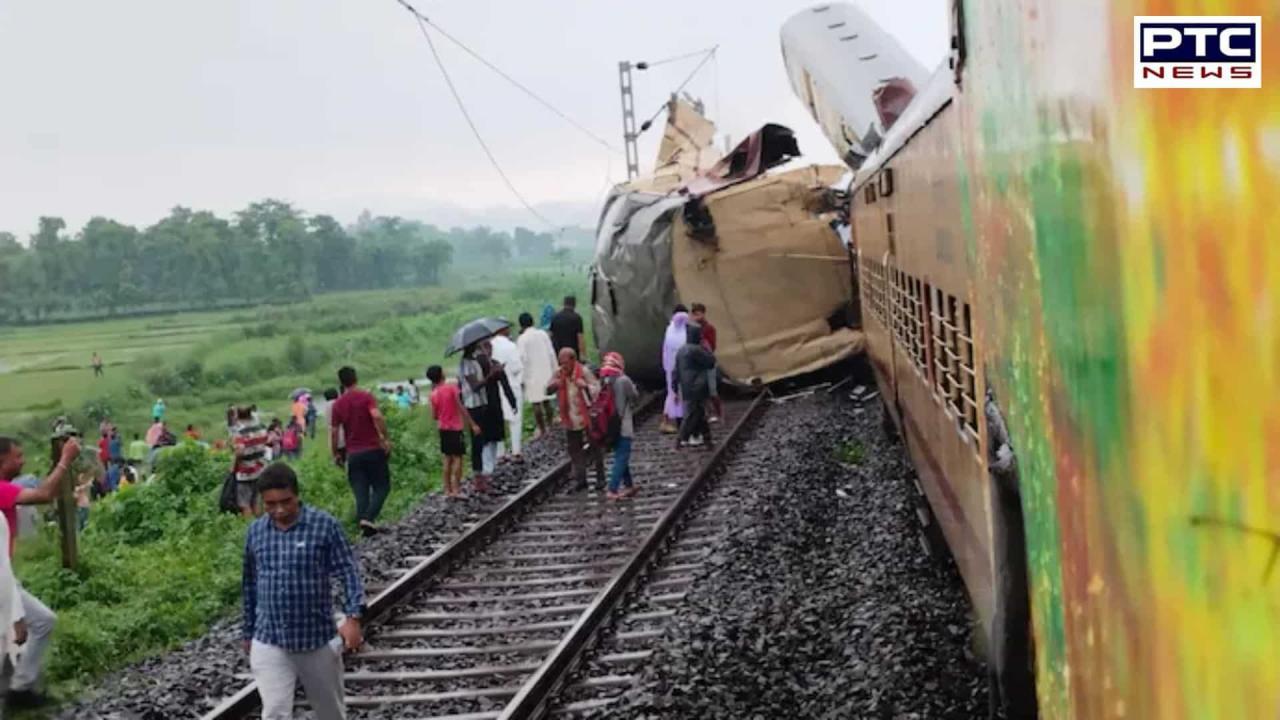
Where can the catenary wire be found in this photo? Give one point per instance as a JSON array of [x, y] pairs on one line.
[[709, 55], [493, 160], [520, 86]]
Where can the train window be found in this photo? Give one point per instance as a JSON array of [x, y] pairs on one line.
[[953, 357], [919, 329], [969, 377]]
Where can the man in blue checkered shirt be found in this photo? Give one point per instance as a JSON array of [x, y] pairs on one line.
[[290, 558]]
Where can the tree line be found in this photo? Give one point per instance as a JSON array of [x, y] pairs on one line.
[[270, 251]]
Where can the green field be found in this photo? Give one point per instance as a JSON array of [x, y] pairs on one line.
[[202, 362], [158, 562]]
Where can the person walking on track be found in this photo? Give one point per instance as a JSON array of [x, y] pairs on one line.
[[625, 396], [566, 329], [451, 415], [291, 557], [692, 365], [483, 384], [508, 354], [356, 417], [674, 339], [698, 314], [538, 358], [576, 386]]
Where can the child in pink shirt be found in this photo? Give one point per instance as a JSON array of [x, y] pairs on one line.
[[450, 414]]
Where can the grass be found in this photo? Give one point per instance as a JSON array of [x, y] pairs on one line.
[[851, 452], [159, 564]]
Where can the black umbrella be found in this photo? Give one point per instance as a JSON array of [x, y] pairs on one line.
[[473, 332]]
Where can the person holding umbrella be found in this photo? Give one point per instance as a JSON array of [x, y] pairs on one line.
[[483, 381]]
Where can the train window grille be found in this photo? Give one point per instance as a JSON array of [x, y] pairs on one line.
[[919, 334], [943, 334], [968, 378], [876, 295]]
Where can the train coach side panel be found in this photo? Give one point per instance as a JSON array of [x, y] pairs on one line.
[[917, 292], [1129, 303]]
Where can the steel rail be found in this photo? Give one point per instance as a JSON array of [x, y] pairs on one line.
[[531, 702], [246, 700]]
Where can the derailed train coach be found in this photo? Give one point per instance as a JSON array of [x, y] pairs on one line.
[[760, 249], [1070, 290]]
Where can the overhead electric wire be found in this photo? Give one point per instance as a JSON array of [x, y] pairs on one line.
[[537, 98], [678, 58], [709, 55], [471, 123]]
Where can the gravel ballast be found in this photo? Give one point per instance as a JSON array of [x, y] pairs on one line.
[[820, 603]]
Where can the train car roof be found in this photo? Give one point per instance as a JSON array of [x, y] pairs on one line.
[[935, 96]]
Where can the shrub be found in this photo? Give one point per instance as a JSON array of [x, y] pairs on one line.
[[260, 367], [473, 296], [261, 330]]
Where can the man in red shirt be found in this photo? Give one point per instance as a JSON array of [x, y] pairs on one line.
[[698, 314], [39, 619], [364, 431]]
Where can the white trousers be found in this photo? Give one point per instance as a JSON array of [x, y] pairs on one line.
[[514, 428], [515, 421], [40, 620], [277, 672], [489, 457]]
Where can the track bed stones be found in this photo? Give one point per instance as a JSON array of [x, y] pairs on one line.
[[817, 602], [193, 679]]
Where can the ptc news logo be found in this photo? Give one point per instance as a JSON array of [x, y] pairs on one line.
[[1197, 51]]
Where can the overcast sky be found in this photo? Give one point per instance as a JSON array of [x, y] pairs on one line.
[[129, 107]]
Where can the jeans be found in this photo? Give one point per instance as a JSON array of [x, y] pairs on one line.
[[370, 480], [40, 620], [580, 454], [620, 473], [277, 672]]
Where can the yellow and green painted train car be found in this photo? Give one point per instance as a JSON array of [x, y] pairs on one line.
[[1071, 298]]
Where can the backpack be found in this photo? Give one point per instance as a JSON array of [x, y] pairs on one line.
[[290, 440], [604, 425]]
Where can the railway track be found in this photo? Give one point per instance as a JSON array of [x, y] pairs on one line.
[[547, 606]]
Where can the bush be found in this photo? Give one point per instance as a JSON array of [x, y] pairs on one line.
[[474, 296], [302, 357], [260, 367], [261, 330]]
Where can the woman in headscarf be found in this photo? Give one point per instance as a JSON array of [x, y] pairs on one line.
[[548, 312], [675, 338], [625, 396]]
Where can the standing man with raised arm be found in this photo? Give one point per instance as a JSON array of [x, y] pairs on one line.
[[39, 618], [291, 556], [356, 420]]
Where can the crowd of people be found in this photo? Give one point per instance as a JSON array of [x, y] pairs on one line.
[[293, 551], [289, 630]]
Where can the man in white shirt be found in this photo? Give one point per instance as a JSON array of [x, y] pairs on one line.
[[507, 353], [538, 361]]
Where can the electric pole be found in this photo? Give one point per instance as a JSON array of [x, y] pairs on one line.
[[629, 133]]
